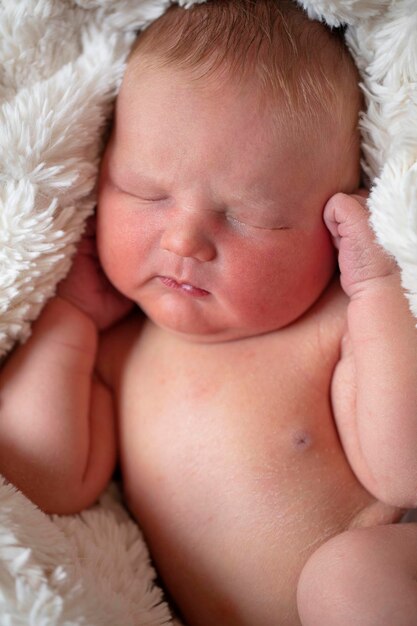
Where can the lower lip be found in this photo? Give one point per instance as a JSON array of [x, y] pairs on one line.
[[188, 290]]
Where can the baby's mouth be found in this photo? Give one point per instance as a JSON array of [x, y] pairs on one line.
[[184, 288]]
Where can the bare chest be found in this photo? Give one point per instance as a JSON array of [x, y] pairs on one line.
[[270, 393], [254, 413], [225, 446]]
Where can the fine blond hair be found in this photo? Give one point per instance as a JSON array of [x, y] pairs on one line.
[[300, 66]]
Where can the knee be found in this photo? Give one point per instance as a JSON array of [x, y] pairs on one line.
[[351, 577], [326, 580]]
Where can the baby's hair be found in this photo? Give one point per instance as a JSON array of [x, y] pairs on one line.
[[301, 66]]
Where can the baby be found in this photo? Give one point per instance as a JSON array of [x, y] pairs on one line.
[[263, 406]]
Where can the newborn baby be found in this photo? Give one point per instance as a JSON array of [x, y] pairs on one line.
[[263, 406]]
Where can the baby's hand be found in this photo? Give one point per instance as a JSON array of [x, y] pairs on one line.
[[88, 288], [362, 261]]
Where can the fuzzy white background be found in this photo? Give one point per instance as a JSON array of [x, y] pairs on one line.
[[61, 62]]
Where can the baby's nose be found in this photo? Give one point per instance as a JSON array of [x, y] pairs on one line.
[[189, 238]]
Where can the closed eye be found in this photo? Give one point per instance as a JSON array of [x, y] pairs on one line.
[[152, 199], [234, 220], [143, 197]]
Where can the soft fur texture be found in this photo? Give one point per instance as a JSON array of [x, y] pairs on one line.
[[90, 569], [61, 62]]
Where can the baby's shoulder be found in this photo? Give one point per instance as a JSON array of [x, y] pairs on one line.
[[328, 316], [322, 326], [114, 345], [309, 348]]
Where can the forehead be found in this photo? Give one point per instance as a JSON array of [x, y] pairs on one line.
[[168, 102], [171, 123]]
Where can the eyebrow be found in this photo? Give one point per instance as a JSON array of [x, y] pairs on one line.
[[126, 176], [262, 198]]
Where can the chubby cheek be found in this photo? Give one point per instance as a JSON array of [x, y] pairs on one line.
[[317, 267], [272, 284], [120, 249]]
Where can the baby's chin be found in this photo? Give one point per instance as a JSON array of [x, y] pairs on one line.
[[228, 314], [204, 331]]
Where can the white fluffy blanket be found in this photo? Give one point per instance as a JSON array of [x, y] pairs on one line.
[[61, 62]]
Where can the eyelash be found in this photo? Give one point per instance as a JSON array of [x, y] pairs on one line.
[[140, 199], [229, 218], [161, 199]]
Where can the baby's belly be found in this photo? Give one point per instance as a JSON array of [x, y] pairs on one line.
[[233, 505]]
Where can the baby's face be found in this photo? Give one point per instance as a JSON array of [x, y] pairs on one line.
[[210, 217]]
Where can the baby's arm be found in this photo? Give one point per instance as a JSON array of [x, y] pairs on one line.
[[57, 439], [374, 391], [57, 430]]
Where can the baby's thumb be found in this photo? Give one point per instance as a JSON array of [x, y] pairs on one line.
[[345, 216]]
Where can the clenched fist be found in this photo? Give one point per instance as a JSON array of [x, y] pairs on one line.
[[88, 288], [362, 261]]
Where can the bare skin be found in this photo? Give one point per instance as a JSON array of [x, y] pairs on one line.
[[263, 412], [240, 463]]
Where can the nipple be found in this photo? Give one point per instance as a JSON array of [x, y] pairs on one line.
[[302, 440]]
